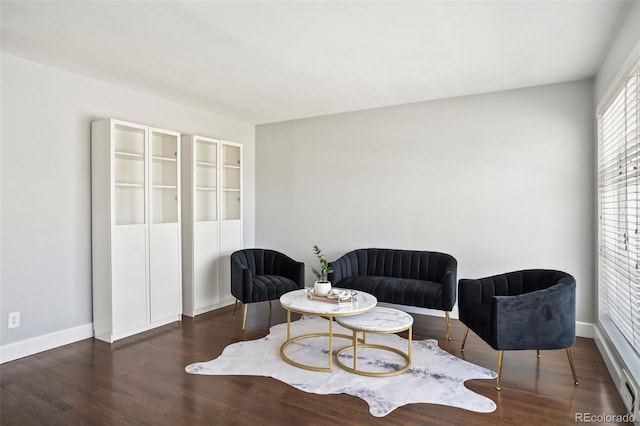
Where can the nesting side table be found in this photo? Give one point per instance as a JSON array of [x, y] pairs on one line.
[[380, 320]]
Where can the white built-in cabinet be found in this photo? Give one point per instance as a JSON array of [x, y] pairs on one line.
[[136, 253], [211, 221]]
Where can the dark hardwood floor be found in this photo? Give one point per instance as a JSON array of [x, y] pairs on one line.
[[141, 380]]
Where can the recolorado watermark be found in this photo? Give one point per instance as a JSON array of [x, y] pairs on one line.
[[604, 418]]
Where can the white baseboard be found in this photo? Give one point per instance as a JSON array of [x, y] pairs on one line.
[[585, 329], [43, 343]]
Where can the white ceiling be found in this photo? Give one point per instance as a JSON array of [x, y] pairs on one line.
[[268, 61]]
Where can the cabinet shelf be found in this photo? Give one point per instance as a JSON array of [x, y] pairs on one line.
[[231, 189], [228, 166], [205, 188], [205, 164], [124, 154], [157, 158], [129, 185], [165, 186]]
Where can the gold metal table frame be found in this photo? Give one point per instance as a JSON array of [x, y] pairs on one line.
[[330, 334], [356, 345]]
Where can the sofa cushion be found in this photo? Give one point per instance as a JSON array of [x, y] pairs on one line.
[[401, 291], [271, 287]]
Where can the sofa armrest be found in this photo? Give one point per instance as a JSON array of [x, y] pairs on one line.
[[469, 293], [448, 276], [542, 319], [289, 268], [346, 266], [297, 273], [337, 271], [241, 280]]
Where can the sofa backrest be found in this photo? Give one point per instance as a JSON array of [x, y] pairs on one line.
[[412, 264], [522, 282]]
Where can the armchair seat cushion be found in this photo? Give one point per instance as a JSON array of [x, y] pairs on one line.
[[271, 287], [401, 291]]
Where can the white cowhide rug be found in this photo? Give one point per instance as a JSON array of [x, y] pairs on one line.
[[435, 377]]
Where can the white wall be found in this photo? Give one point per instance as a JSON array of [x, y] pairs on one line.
[[618, 59], [501, 181], [45, 212]]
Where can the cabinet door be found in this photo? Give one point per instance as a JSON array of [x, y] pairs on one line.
[[230, 241], [205, 260], [164, 271], [129, 280]]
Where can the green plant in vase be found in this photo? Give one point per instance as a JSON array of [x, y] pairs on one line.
[[322, 286]]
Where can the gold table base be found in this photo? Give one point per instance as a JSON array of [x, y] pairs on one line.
[[329, 334], [355, 346]]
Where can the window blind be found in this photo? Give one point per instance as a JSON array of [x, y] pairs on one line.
[[619, 204]]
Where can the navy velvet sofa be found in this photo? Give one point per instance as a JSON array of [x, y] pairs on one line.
[[424, 279]]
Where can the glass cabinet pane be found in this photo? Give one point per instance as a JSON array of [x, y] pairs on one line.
[[129, 176], [231, 182], [164, 177], [206, 180]]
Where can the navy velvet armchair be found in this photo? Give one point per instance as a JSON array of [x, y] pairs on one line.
[[521, 310], [259, 275]]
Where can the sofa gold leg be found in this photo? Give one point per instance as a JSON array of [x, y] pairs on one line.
[[448, 320], [244, 317], [573, 367], [269, 304], [464, 339], [235, 305], [537, 353], [500, 356]]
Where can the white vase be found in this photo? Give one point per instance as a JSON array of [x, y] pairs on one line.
[[321, 288]]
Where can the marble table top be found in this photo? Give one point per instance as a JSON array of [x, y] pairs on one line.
[[380, 319], [298, 301]]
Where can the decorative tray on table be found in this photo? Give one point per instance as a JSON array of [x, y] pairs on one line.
[[336, 295]]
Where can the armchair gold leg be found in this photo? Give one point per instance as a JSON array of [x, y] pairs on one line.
[[464, 339], [269, 304], [448, 320], [244, 317], [537, 353], [500, 356], [573, 367]]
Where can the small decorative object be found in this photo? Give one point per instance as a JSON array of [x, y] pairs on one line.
[[335, 295], [322, 286]]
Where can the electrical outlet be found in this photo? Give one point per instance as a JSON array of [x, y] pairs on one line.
[[629, 394], [14, 319]]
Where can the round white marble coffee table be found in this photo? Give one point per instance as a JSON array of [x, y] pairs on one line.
[[382, 321], [299, 302]]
